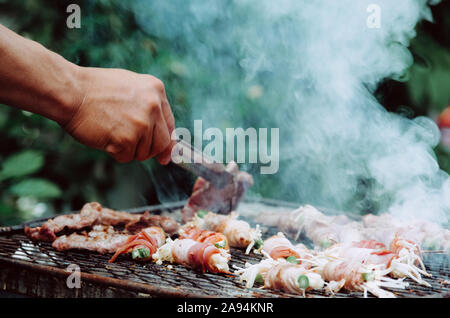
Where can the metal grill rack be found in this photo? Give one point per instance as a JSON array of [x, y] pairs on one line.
[[36, 269]]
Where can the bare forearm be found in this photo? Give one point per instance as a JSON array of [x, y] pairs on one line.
[[123, 113], [35, 79]]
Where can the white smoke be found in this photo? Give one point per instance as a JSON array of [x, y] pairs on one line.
[[318, 64]]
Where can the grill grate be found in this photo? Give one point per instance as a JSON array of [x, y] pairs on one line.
[[29, 260]]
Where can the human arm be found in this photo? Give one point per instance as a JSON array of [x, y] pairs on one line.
[[121, 112]]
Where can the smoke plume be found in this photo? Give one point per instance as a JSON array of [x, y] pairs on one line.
[[311, 68]]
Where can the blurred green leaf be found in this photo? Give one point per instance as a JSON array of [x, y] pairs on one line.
[[6, 210], [430, 75], [38, 188], [21, 164]]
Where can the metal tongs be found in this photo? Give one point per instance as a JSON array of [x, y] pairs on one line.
[[191, 159]]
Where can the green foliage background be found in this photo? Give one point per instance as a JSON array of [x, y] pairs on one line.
[[44, 171]]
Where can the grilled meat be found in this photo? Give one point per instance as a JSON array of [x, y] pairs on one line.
[[203, 256], [194, 233], [169, 225], [322, 229], [238, 232], [286, 276], [206, 197], [94, 214], [102, 239], [426, 234], [281, 275], [278, 246], [91, 214], [142, 245]]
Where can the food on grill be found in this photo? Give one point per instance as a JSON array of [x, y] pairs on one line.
[[379, 252], [338, 236], [424, 233], [281, 275], [168, 224], [326, 230], [102, 239], [194, 233], [93, 214], [278, 246], [402, 239], [375, 262], [407, 260], [206, 197], [322, 229], [238, 232], [201, 256], [292, 278], [359, 269], [354, 265], [142, 245]]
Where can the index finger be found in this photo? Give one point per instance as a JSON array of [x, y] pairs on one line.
[[168, 115]]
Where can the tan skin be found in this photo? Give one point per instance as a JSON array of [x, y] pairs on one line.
[[123, 113]]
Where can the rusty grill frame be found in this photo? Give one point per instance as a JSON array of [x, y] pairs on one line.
[[36, 269]]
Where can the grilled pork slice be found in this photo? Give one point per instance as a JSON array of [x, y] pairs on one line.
[[206, 197], [91, 214], [102, 239], [169, 225], [94, 214]]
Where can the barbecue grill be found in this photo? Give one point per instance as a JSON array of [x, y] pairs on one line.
[[36, 269]]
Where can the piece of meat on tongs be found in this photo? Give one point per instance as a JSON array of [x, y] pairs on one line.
[[207, 197]]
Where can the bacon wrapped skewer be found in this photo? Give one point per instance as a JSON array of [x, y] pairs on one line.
[[203, 256], [365, 265], [281, 275], [142, 245], [426, 234], [358, 268], [287, 267], [238, 232], [278, 246], [218, 239], [323, 230], [408, 258]]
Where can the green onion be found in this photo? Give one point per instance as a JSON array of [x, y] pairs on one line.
[[368, 276], [141, 252], [145, 253], [221, 244], [259, 279], [303, 281], [293, 260], [325, 244], [258, 244], [135, 254], [201, 213]]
